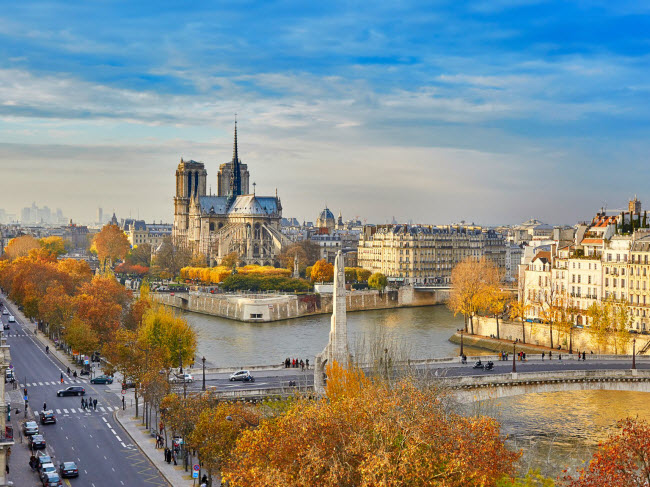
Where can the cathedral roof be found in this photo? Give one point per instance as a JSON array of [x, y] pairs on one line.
[[243, 205], [325, 214]]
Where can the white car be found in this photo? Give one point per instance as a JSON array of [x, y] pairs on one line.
[[242, 375], [5, 311], [182, 378], [12, 319]]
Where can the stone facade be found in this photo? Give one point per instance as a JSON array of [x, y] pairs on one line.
[[236, 221]]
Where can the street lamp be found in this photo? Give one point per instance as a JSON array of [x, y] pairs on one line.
[[634, 354], [514, 353], [203, 360], [461, 342]]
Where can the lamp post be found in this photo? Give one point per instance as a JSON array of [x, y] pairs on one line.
[[461, 342], [514, 354], [203, 360], [634, 354]]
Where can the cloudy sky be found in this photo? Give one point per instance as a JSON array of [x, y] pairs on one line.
[[491, 111]]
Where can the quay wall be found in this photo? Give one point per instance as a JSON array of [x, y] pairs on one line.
[[540, 334], [275, 307]]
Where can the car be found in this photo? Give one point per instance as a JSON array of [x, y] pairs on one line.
[[6, 326], [68, 469], [36, 442], [52, 480], [42, 459], [239, 375], [182, 378], [12, 319], [102, 379], [30, 428], [9, 375], [129, 384], [5, 311], [46, 468], [71, 391], [47, 417]]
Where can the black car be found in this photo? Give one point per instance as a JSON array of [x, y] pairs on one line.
[[6, 326], [37, 442], [102, 379], [69, 469], [47, 417], [71, 391]]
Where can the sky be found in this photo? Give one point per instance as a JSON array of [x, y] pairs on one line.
[[490, 111]]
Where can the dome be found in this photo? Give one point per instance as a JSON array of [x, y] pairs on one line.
[[325, 214], [326, 219]]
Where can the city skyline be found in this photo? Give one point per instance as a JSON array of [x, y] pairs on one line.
[[493, 112]]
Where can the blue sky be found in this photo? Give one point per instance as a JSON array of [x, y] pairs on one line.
[[488, 111]]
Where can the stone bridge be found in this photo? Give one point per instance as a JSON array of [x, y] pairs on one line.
[[470, 389]]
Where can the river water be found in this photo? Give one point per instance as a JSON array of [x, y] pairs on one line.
[[555, 430]]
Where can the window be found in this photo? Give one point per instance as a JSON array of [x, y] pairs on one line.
[[607, 282], [589, 280]]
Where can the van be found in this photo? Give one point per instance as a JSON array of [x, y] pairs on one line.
[[12, 319]]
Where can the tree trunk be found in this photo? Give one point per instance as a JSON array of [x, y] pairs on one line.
[[550, 328], [465, 316], [571, 339], [497, 317], [471, 323], [136, 403]]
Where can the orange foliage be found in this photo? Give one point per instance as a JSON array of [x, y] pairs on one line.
[[136, 269], [215, 275], [371, 434], [101, 303], [21, 246], [111, 243], [622, 460], [322, 271]]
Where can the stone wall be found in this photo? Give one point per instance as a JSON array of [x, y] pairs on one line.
[[539, 334], [270, 307]]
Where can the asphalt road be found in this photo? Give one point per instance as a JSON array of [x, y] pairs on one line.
[[93, 439]]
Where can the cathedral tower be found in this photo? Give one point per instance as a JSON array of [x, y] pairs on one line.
[[190, 182], [231, 181]]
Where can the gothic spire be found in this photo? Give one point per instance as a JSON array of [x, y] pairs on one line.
[[235, 157], [235, 182]]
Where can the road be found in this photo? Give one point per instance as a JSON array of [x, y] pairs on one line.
[[93, 439]]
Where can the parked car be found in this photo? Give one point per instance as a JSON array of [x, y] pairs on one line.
[[42, 459], [46, 468], [182, 378], [9, 375], [129, 384], [71, 391], [242, 375], [37, 442], [47, 417], [30, 428], [52, 480], [69, 469], [102, 379], [6, 326]]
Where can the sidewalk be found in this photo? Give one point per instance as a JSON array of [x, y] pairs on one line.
[[174, 474]]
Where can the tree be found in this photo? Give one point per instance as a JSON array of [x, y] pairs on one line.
[[56, 308], [171, 259], [199, 260], [55, 246], [495, 302], [363, 274], [600, 315], [378, 281], [140, 255], [367, 433], [21, 246], [110, 244], [350, 274], [101, 304], [81, 337], [621, 460], [322, 271], [565, 308], [307, 252], [230, 260], [469, 280]]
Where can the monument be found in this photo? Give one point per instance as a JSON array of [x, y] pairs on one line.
[[337, 347]]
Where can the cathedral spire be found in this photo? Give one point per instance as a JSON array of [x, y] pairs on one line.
[[235, 157], [235, 183]]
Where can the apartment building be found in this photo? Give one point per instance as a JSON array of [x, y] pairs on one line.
[[421, 254], [639, 283]]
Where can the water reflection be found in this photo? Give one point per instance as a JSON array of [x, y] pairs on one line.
[[424, 332], [562, 429]]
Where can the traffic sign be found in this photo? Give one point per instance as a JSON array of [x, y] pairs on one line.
[[197, 467], [195, 474], [123, 392]]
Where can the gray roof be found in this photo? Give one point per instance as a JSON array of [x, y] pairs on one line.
[[243, 205]]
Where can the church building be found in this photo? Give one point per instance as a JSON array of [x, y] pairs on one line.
[[233, 220]]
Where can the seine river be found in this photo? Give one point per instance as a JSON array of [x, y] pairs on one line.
[[556, 430]]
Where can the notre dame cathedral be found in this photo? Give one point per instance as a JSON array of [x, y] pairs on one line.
[[233, 220]]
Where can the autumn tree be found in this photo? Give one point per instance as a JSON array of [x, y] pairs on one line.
[[21, 246], [378, 281], [54, 246], [495, 301], [199, 259], [366, 433], [470, 280], [518, 311], [363, 274], [621, 460], [230, 260], [81, 337], [101, 304], [306, 251], [322, 271], [170, 259], [600, 313], [140, 255], [110, 244]]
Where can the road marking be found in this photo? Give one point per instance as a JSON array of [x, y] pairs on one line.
[[58, 411], [118, 438], [123, 445], [102, 409], [65, 411], [40, 383], [72, 410], [104, 419]]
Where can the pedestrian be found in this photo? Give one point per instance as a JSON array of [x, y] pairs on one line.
[[307, 364], [543, 355], [550, 354], [61, 378], [83, 403], [174, 457], [68, 370], [95, 404], [44, 406], [167, 455], [560, 357], [584, 356], [302, 365], [90, 403]]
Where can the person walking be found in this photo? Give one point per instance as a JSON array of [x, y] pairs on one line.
[[543, 355], [44, 406], [83, 403], [95, 404]]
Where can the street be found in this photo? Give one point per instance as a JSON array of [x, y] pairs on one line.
[[92, 439]]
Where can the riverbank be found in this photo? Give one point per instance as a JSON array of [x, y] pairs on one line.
[[499, 345], [277, 307]]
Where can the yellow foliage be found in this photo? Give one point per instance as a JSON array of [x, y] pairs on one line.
[[215, 275]]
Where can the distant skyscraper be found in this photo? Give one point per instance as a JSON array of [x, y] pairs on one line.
[[100, 215]]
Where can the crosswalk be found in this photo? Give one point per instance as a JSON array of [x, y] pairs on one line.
[[102, 409], [9, 335], [52, 383]]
